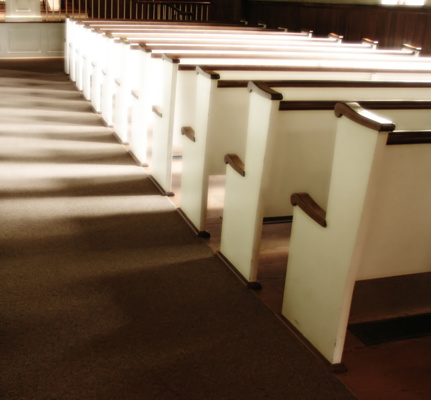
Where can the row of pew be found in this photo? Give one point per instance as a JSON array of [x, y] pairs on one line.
[[335, 134]]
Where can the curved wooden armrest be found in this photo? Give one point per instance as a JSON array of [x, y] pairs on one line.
[[171, 58], [372, 43], [209, 73], [310, 207], [361, 116], [235, 162], [158, 111], [189, 133], [264, 90], [339, 38], [414, 49]]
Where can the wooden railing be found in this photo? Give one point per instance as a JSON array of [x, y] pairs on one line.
[[174, 10], [158, 10]]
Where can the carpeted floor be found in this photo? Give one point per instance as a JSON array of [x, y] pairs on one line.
[[105, 291]]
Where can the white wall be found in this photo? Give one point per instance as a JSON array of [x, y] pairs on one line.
[[32, 39]]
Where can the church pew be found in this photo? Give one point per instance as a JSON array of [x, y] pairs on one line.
[[184, 94], [143, 107], [376, 223], [357, 46], [296, 140], [221, 117], [75, 28], [106, 42], [83, 39], [109, 61], [128, 71]]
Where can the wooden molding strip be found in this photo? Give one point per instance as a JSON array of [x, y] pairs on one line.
[[189, 133], [409, 137], [227, 83], [190, 67], [223, 83], [288, 105], [348, 83], [310, 207], [358, 114], [235, 162]]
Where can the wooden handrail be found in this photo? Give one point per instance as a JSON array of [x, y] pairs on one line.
[[310, 207], [235, 162]]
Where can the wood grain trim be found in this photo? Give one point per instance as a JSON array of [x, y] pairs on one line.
[[347, 84], [189, 133], [310, 207], [264, 90], [207, 72], [235, 162], [158, 111], [226, 83], [361, 116], [409, 137], [239, 67], [290, 105]]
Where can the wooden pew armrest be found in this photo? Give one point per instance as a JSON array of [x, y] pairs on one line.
[[158, 111], [189, 133], [235, 162], [310, 207]]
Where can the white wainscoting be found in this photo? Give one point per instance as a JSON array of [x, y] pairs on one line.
[[31, 39]]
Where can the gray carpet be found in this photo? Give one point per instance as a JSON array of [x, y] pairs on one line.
[[105, 291]]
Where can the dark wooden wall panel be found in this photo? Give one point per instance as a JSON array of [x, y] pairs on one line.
[[228, 11], [390, 26]]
